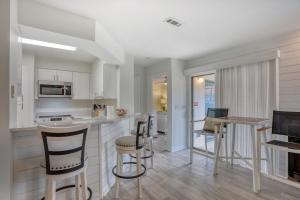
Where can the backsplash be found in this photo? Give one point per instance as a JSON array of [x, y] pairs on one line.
[[53, 106]]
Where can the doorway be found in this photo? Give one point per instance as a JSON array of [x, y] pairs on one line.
[[203, 97], [160, 107]]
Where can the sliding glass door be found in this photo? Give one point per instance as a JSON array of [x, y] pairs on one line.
[[203, 97]]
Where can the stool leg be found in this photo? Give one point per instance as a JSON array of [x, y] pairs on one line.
[[205, 141], [117, 178], [77, 184], [138, 169], [151, 150], [84, 184], [51, 189], [145, 154]]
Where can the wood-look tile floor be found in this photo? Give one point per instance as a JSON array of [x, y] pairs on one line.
[[173, 179]]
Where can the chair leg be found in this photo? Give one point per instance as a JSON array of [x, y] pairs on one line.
[[51, 189], [205, 140], [151, 150], [217, 152], [84, 184], [233, 144], [138, 169], [77, 185], [118, 172]]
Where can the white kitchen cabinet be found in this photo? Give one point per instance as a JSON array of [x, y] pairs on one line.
[[81, 85], [65, 76], [54, 75], [104, 80], [46, 75]]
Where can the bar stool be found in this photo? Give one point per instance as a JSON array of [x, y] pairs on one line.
[[65, 157], [148, 139], [130, 145]]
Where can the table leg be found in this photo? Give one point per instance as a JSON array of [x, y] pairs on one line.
[[217, 152], [233, 143], [254, 159], [258, 147]]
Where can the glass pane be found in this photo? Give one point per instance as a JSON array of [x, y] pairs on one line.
[[203, 98]]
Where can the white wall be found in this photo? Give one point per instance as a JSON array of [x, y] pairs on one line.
[[179, 115], [26, 112], [49, 18], [5, 136], [67, 65], [126, 86], [139, 91]]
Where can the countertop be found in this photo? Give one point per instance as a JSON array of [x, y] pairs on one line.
[[77, 120]]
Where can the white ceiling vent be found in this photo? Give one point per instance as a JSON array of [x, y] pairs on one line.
[[173, 21]]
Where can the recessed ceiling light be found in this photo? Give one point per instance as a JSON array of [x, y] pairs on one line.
[[46, 44], [173, 21]]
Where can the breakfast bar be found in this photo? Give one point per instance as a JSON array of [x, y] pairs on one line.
[[29, 177]]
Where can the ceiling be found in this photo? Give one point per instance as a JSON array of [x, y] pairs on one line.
[[78, 55], [208, 25]]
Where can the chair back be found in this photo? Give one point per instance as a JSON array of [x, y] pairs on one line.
[[140, 132], [150, 125], [64, 148], [286, 123], [217, 112]]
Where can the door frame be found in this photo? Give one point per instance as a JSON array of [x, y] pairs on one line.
[[190, 110]]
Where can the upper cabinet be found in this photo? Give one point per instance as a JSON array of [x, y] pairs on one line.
[[81, 85], [104, 80], [46, 75], [54, 75]]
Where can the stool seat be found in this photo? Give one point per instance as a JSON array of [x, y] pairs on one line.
[[64, 162], [126, 141]]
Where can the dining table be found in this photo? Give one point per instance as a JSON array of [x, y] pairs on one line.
[[254, 123]]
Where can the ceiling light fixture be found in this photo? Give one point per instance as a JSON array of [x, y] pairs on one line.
[[46, 44], [173, 21]]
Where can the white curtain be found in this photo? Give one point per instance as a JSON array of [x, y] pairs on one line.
[[247, 91]]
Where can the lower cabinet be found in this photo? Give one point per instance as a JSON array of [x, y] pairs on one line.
[[81, 85]]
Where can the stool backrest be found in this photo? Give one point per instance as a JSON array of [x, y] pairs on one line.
[[150, 125], [64, 148], [286, 123], [141, 126], [217, 112]]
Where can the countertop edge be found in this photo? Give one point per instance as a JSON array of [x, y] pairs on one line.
[[92, 121]]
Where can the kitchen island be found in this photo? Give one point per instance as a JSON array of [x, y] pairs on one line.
[[29, 177]]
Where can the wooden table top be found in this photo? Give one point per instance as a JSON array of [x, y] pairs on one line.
[[241, 120]]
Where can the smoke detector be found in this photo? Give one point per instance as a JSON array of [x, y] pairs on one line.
[[173, 21]]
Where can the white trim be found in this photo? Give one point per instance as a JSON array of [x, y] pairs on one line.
[[239, 60]]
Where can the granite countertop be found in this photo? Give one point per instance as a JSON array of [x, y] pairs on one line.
[[76, 120]]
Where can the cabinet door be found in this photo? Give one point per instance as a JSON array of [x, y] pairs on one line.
[[81, 85], [64, 76], [110, 81], [46, 75], [97, 80]]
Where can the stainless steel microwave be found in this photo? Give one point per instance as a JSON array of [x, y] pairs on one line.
[[54, 89]]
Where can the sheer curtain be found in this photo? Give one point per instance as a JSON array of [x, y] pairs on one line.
[[247, 91]]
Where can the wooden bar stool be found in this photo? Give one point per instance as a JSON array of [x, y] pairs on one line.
[[65, 157], [130, 145], [148, 152]]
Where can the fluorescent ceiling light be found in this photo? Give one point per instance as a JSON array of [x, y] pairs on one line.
[[46, 44]]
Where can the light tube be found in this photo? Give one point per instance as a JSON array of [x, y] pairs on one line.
[[46, 44]]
